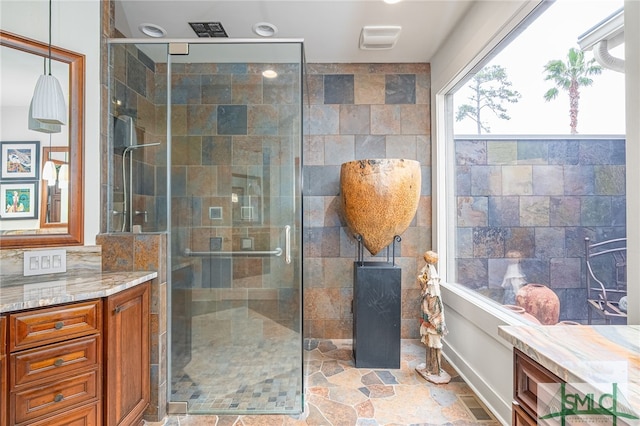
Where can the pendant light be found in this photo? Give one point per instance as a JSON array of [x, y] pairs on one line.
[[47, 104], [49, 169], [63, 176], [40, 126]]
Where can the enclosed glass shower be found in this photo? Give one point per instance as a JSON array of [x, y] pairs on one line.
[[218, 169]]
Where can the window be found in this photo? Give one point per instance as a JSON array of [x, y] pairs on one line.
[[527, 191]]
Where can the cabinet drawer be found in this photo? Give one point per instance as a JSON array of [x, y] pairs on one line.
[[3, 335], [84, 416], [520, 418], [50, 399], [43, 326], [60, 358], [527, 377]]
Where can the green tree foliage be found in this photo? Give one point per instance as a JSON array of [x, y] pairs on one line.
[[571, 76], [490, 89]]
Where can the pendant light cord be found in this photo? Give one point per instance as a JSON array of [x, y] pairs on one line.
[[49, 37]]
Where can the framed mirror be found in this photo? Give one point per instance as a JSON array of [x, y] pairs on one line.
[[69, 67]]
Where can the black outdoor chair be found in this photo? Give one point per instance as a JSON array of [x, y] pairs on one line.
[[606, 263]]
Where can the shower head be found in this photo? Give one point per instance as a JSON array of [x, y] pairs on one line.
[[144, 145]]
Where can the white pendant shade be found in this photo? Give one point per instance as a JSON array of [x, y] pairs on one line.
[[48, 101], [40, 126], [63, 176], [49, 173]]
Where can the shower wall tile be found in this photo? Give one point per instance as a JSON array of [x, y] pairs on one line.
[[185, 89], [332, 211], [386, 120], [200, 68], [216, 89], [186, 150], [117, 252], [246, 89], [338, 149], [324, 120], [232, 119], [415, 119], [282, 90], [136, 75], [339, 89], [201, 181], [322, 180], [400, 89], [146, 118], [314, 90], [369, 89], [148, 62], [232, 68], [355, 119], [401, 147], [203, 120], [423, 85], [246, 150], [216, 150], [370, 146], [262, 120]]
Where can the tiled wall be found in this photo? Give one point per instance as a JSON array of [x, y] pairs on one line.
[[360, 111], [145, 252], [540, 198], [134, 93]]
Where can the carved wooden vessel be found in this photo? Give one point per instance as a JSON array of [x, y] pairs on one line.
[[379, 198]]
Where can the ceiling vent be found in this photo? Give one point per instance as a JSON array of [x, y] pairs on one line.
[[379, 37], [208, 29]]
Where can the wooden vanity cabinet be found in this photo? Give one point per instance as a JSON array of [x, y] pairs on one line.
[[527, 376], [4, 397], [55, 365], [84, 363], [126, 337]]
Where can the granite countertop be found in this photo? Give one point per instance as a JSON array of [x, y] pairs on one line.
[[39, 291], [598, 355]]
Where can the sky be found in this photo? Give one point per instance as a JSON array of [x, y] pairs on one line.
[[601, 109]]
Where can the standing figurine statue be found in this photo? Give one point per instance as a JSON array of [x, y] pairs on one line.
[[432, 325]]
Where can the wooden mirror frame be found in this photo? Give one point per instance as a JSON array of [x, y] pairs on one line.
[[75, 229]]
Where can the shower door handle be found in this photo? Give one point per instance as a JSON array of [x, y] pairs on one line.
[[287, 244]]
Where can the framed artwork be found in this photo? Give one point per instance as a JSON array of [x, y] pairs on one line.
[[20, 160], [19, 200]]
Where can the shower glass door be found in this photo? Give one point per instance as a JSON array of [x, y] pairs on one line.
[[235, 226]]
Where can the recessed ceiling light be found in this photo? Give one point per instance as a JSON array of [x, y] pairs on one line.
[[269, 73], [265, 29], [392, 1], [152, 30]]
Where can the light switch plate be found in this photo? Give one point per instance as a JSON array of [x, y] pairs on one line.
[[41, 262], [246, 243]]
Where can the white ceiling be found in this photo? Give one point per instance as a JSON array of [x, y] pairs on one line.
[[330, 28]]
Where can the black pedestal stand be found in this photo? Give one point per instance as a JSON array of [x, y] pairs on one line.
[[376, 311]]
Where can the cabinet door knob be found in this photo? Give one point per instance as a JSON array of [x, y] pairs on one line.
[[58, 362], [59, 397], [58, 325], [117, 310]]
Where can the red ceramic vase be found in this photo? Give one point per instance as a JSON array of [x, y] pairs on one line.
[[521, 311], [540, 301]]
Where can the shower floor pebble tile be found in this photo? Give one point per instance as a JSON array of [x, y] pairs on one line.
[[338, 394]]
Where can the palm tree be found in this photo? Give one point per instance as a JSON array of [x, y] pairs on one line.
[[570, 76]]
